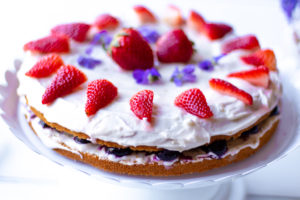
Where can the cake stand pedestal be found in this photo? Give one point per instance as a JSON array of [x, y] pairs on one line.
[[229, 190]]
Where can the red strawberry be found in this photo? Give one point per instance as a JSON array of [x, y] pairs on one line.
[[144, 14], [264, 57], [141, 104], [131, 51], [258, 76], [100, 93], [194, 102], [107, 22], [174, 16], [67, 78], [49, 44], [196, 21], [45, 66], [75, 31], [216, 31], [174, 46], [248, 42], [227, 88]]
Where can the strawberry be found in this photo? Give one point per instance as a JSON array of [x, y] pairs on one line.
[[131, 51], [194, 102], [100, 93], [248, 42], [258, 76], [67, 78], [196, 21], [49, 44], [264, 57], [227, 88], [174, 46], [141, 104], [75, 31], [216, 31], [107, 22], [45, 66], [174, 16], [144, 14]]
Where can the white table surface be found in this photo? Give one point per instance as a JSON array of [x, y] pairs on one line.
[[27, 175]]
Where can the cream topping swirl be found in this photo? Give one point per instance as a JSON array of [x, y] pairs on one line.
[[172, 128]]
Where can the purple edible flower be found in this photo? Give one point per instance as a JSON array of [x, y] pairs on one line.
[[147, 76], [149, 34], [102, 38], [185, 75], [208, 65], [288, 6], [89, 63]]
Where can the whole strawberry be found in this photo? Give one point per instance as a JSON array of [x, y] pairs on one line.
[[49, 44], [141, 104], [75, 31], [45, 66], [67, 78], [174, 46], [194, 102], [131, 51], [99, 94]]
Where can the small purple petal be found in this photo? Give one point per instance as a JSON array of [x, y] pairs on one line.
[[138, 75], [146, 76], [102, 38], [189, 69], [186, 75], [149, 34], [289, 6], [88, 63], [217, 58], [177, 81], [206, 65], [189, 78], [89, 50]]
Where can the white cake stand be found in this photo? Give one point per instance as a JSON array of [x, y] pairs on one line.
[[215, 184]]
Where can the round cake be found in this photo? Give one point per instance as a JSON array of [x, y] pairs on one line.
[[149, 95]]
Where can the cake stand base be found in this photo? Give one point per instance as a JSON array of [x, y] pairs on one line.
[[230, 190]]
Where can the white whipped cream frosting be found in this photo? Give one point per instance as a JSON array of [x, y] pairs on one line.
[[172, 128]]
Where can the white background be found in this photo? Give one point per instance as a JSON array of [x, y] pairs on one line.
[[26, 175]]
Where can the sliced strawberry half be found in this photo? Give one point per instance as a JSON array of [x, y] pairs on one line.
[[100, 93], [106, 22], [45, 66], [248, 42], [173, 16], [131, 51], [215, 31], [49, 44], [144, 14], [75, 31], [174, 46], [141, 104], [264, 57], [67, 78], [194, 102], [227, 88], [258, 76], [196, 21]]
